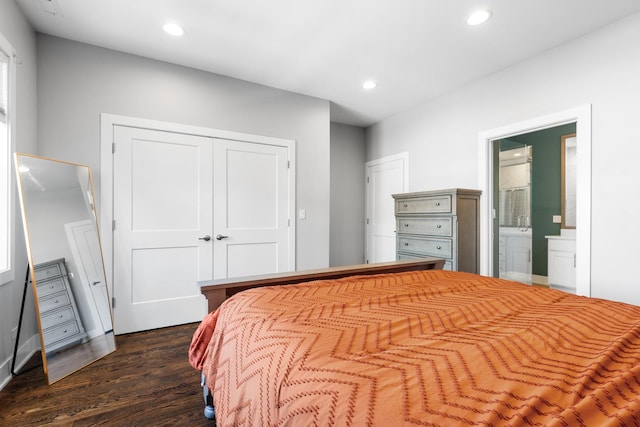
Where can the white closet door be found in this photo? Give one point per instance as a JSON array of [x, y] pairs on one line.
[[162, 211], [251, 205]]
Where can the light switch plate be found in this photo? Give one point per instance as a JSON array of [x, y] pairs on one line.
[[557, 219]]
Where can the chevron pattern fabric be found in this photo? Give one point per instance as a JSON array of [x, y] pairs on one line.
[[428, 348]]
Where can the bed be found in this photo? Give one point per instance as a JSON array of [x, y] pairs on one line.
[[426, 347]]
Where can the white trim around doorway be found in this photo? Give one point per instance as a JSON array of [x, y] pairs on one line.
[[582, 117]]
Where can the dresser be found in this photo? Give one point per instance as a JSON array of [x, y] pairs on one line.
[[443, 224], [59, 316]]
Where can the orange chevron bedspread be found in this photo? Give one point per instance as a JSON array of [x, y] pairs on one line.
[[429, 348]]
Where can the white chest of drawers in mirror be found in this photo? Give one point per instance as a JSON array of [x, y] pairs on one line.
[[561, 269], [443, 223], [59, 317]]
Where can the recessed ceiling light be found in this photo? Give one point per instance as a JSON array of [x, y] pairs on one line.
[[173, 29], [369, 84], [479, 17]]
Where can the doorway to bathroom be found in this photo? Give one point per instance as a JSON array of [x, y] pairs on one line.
[[528, 199], [581, 116]]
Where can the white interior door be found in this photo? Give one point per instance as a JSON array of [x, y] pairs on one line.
[[385, 177], [85, 247], [162, 211], [251, 206]]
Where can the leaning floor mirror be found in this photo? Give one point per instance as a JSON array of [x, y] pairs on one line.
[[66, 265]]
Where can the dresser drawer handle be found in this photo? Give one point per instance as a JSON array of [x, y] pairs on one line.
[[406, 244], [439, 226], [437, 203], [406, 205], [438, 247], [406, 225]]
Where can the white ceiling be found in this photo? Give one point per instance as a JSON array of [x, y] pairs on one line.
[[415, 50]]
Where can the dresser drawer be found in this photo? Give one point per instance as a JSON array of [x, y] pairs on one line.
[[48, 272], [57, 317], [431, 204], [431, 247], [58, 333], [429, 226], [50, 287], [54, 301]]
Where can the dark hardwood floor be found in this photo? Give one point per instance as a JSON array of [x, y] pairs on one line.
[[146, 381]]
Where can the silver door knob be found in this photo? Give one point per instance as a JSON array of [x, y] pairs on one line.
[[220, 237], [205, 238]]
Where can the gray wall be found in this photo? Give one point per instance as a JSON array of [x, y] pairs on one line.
[[77, 82], [18, 32], [347, 195], [600, 69]]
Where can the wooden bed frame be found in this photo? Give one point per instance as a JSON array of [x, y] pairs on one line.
[[216, 291]]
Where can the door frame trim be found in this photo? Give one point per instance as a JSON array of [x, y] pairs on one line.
[[582, 117], [105, 220]]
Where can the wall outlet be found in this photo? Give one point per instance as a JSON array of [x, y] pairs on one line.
[[557, 219]]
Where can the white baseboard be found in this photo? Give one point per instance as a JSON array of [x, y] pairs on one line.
[[25, 352]]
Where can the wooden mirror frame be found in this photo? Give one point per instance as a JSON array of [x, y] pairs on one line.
[[65, 263]]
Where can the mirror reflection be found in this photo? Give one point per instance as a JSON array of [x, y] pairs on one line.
[[568, 161], [66, 265]]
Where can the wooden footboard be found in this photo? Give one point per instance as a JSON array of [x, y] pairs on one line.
[[216, 291]]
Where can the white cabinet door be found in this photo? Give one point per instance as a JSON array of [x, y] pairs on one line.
[[517, 257], [562, 264]]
